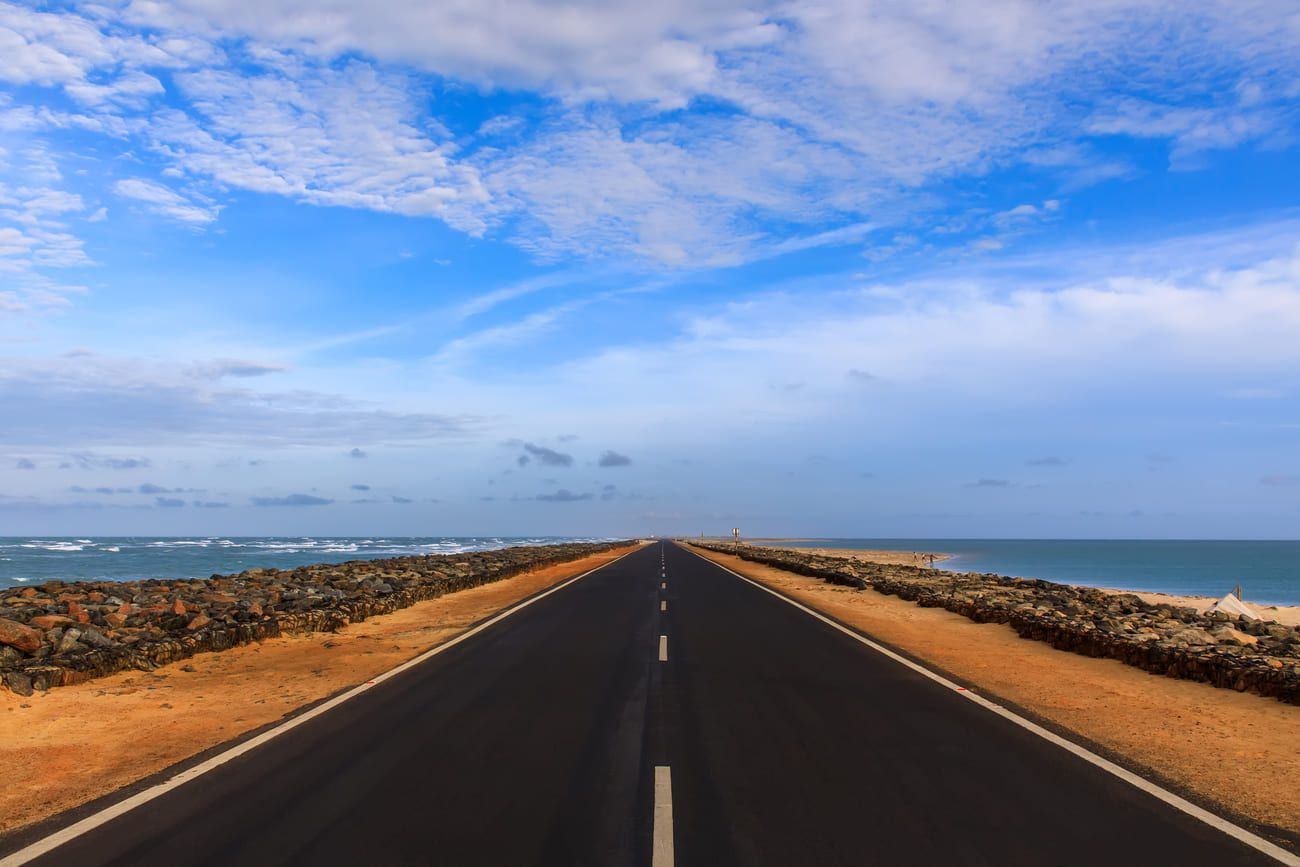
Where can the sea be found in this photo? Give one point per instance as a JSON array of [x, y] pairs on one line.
[[1268, 572], [126, 558]]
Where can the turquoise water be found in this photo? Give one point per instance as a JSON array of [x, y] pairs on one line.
[[124, 558], [1268, 572]]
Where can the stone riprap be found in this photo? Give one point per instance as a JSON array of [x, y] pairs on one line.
[[61, 633], [1230, 652]]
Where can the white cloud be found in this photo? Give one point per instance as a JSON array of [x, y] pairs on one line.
[[823, 112], [347, 137], [120, 401], [166, 201]]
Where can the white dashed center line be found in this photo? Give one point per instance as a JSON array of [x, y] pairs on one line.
[[661, 854]]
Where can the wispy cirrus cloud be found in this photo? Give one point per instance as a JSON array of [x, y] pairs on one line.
[[166, 201]]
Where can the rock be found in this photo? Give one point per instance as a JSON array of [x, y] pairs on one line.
[[178, 607], [115, 620], [50, 621], [69, 641], [19, 636], [199, 621], [95, 638], [18, 683], [1194, 635], [76, 612], [1228, 634]]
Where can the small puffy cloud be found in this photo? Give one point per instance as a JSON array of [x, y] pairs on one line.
[[401, 501], [78, 489], [563, 495], [357, 453], [168, 502], [613, 459], [1281, 480], [1048, 461], [24, 464], [210, 504], [989, 483], [291, 500], [549, 457], [861, 377], [360, 487]]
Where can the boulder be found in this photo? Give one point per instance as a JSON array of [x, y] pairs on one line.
[[19, 635], [18, 683], [1227, 634], [50, 621]]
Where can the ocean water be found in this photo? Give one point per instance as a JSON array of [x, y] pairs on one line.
[[108, 558], [1268, 572]]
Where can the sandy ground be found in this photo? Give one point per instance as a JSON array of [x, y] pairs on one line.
[[75, 743], [1236, 750]]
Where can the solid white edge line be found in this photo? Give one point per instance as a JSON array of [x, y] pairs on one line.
[[663, 648], [1217, 822], [661, 852], [75, 830]]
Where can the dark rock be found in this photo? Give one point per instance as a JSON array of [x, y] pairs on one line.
[[18, 683]]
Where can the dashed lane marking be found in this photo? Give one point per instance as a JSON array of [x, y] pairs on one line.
[[661, 853]]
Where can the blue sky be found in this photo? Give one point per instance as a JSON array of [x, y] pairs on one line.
[[834, 268]]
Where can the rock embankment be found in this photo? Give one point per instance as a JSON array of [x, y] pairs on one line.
[[61, 633], [1230, 652]]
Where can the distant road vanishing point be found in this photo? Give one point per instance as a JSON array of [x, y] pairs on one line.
[[659, 710]]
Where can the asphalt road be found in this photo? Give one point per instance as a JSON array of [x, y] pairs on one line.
[[536, 742]]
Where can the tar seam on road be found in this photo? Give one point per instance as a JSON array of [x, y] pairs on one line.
[[58, 838], [661, 854], [663, 653], [1217, 822]]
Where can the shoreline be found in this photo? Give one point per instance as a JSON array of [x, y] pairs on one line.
[[1286, 614]]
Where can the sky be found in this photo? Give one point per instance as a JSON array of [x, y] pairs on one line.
[[843, 268]]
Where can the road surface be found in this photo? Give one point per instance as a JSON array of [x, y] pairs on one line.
[[659, 710]]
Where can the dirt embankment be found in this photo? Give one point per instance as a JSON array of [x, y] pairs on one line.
[[74, 744], [1235, 750]]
